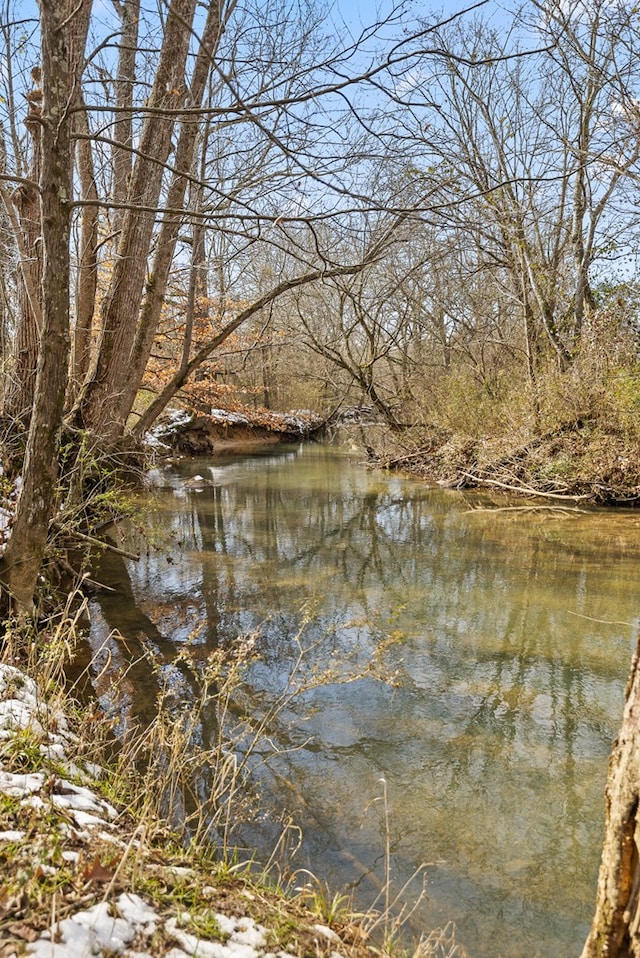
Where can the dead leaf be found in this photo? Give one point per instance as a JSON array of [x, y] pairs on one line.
[[95, 871], [19, 929], [14, 905]]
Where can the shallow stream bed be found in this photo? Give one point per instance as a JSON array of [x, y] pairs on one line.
[[505, 634]]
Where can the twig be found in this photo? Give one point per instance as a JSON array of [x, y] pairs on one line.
[[590, 618], [397, 460], [104, 544]]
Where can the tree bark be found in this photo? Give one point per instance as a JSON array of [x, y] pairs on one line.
[[25, 201], [168, 236], [123, 125], [25, 550], [87, 277], [615, 930], [100, 402]]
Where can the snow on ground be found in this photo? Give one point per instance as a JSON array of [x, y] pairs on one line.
[[116, 924]]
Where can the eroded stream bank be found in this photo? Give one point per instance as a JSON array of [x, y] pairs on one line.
[[505, 631]]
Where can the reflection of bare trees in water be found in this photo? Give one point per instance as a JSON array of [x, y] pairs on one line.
[[228, 726], [166, 699], [501, 710]]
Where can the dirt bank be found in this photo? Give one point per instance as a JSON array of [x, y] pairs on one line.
[[576, 464], [224, 431]]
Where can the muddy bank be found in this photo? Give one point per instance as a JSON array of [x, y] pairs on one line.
[[222, 431]]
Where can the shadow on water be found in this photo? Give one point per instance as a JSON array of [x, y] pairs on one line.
[[505, 637]]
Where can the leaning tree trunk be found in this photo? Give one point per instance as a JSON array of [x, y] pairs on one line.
[[615, 931], [99, 403]]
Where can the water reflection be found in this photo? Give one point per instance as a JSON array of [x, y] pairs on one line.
[[494, 735]]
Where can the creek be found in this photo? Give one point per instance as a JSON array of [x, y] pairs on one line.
[[505, 629]]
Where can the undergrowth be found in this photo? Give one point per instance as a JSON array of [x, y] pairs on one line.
[[572, 434], [174, 842]]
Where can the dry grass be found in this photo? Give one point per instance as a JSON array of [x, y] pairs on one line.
[[153, 779]]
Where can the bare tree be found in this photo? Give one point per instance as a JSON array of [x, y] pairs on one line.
[[63, 31]]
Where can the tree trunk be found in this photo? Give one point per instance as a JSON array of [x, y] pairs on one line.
[[26, 547], [21, 375], [167, 239], [615, 930], [123, 127], [87, 278], [100, 403]]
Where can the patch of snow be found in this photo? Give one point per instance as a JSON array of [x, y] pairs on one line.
[[86, 819], [154, 442], [18, 714], [170, 422], [107, 837], [178, 416], [243, 930], [135, 910], [74, 834], [95, 771], [76, 941], [54, 752], [78, 798], [326, 932], [197, 947], [96, 931], [20, 785], [12, 836], [245, 939], [223, 415]]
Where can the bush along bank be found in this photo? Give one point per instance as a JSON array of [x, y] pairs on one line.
[[572, 435], [574, 466]]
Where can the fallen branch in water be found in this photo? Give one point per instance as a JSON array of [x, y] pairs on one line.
[[565, 510], [526, 490]]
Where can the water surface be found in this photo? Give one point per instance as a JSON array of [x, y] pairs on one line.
[[506, 636]]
